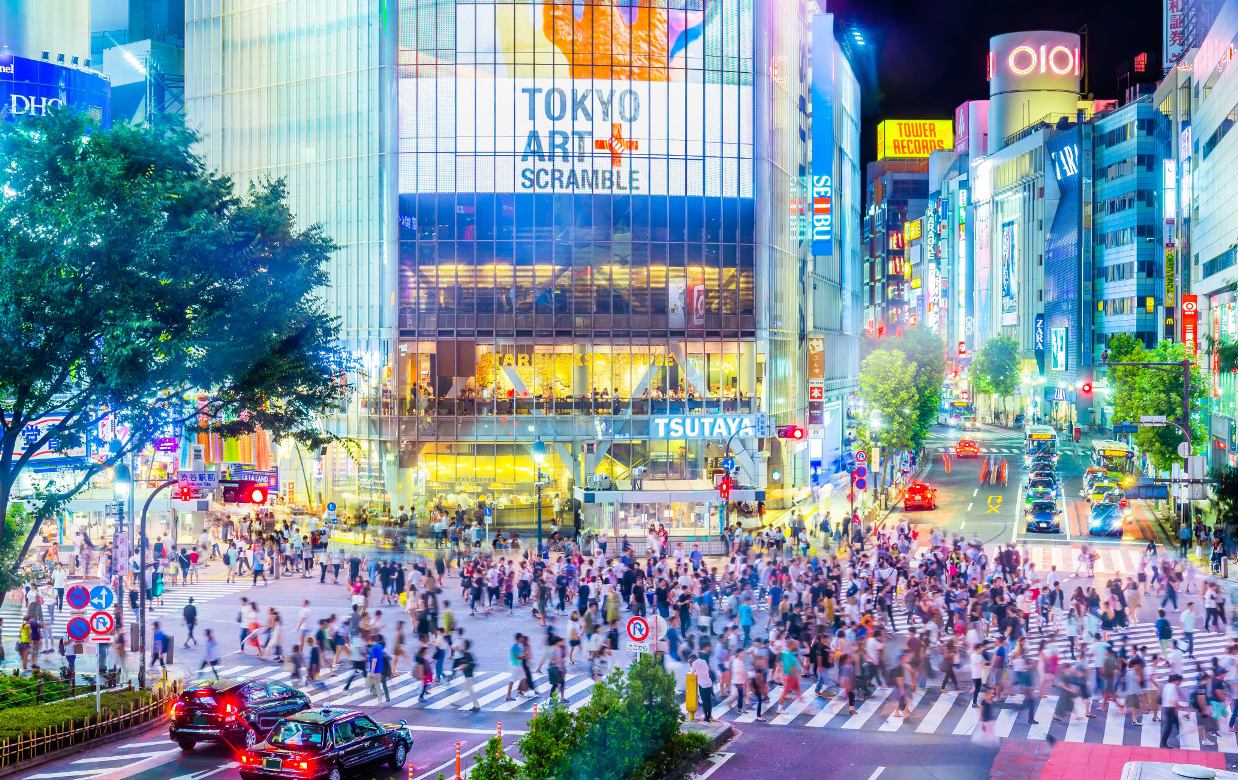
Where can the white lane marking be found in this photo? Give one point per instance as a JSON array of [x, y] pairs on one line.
[[207, 772], [895, 721], [828, 712], [1150, 732], [452, 761], [717, 759], [962, 525], [1115, 725], [135, 745], [868, 708], [876, 773], [455, 730], [970, 504], [82, 773], [119, 757], [975, 492]]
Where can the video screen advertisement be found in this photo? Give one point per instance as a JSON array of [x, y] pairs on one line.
[[625, 98]]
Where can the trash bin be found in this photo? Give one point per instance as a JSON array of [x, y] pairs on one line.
[[1078, 434]]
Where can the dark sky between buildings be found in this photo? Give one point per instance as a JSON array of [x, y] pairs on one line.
[[925, 57]]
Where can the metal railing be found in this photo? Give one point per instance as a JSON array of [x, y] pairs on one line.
[[40, 742]]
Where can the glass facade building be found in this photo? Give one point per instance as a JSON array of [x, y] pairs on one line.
[[584, 225]]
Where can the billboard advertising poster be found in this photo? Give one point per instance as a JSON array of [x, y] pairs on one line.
[[1008, 256], [33, 87], [599, 98], [913, 138], [822, 202], [1058, 348]]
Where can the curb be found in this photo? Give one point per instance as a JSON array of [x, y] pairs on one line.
[[107, 739]]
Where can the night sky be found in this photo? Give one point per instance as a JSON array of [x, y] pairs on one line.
[[930, 56]]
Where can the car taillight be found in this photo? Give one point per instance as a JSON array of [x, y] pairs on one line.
[[248, 758], [177, 707], [304, 765], [228, 710]]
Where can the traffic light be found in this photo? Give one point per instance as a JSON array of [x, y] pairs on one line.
[[244, 492], [793, 432], [184, 493], [724, 487], [1086, 387]]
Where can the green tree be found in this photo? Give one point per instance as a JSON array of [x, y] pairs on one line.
[[927, 353], [143, 295], [995, 370], [888, 387], [1147, 390]]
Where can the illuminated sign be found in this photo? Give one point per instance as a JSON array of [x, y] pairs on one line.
[[1173, 40], [1038, 334], [1066, 162], [1058, 348], [913, 138], [912, 230], [1190, 323], [1008, 256], [32, 88], [1059, 60], [822, 195], [702, 426]]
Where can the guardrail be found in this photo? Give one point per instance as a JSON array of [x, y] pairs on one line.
[[14, 752]]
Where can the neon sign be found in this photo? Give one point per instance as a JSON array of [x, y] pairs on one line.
[[1060, 60]]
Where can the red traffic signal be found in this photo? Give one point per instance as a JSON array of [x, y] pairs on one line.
[[244, 492], [185, 493], [793, 432], [724, 488], [1087, 388]]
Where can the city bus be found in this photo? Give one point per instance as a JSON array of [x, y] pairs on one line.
[[1040, 438], [1113, 456]]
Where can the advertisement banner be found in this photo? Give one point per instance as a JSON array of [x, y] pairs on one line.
[[32, 88], [1190, 323], [677, 303], [548, 97], [822, 219], [1038, 335], [1173, 38], [1008, 256], [913, 138], [1058, 343]]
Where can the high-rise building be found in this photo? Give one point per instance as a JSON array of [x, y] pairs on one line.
[[56, 31], [140, 45], [896, 192], [1128, 274], [1207, 315], [588, 245]]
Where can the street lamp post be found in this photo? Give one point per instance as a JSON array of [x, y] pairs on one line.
[[142, 584], [539, 457], [122, 490]]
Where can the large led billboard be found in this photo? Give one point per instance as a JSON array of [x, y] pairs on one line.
[[913, 138], [547, 97], [823, 135]]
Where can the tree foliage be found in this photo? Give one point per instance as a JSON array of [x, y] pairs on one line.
[[1146, 390], [628, 726], [142, 295], [995, 369], [901, 380]]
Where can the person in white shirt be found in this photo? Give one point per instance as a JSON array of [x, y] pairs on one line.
[[1171, 700], [739, 677], [704, 685], [1188, 627]]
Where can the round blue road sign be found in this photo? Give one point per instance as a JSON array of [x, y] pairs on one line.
[[78, 597], [860, 484], [78, 629], [102, 597], [330, 506]]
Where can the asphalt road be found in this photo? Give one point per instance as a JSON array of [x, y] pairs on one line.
[[848, 756], [994, 513]]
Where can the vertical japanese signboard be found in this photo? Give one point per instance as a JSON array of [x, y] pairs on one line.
[[822, 191], [1190, 323], [816, 381]]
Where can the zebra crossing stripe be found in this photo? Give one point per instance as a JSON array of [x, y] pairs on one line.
[[751, 714], [1226, 742], [795, 708], [1150, 732], [516, 702], [489, 697], [895, 721], [967, 723], [1115, 725], [1007, 717], [1044, 718], [588, 682], [1188, 735], [1077, 728], [937, 713], [827, 713], [868, 708], [478, 684]]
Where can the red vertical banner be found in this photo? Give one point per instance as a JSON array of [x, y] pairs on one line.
[[1190, 323]]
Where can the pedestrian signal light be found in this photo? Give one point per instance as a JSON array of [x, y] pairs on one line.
[[724, 488], [244, 492], [793, 432]]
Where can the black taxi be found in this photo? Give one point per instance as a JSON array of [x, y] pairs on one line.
[[330, 742], [238, 712]]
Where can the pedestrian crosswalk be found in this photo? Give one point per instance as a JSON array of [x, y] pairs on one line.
[[929, 710], [122, 756], [173, 601]]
